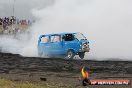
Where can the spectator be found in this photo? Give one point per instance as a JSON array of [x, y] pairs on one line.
[[11, 25]]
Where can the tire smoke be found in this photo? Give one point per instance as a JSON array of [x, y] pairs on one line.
[[106, 24]]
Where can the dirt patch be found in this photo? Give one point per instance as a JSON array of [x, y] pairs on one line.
[[18, 68]]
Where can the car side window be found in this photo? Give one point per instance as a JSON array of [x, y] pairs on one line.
[[55, 38], [44, 39], [68, 37]]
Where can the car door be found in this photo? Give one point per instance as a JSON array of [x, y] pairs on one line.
[[69, 42], [43, 46], [56, 44]]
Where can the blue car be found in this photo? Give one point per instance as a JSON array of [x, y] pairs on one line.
[[64, 45]]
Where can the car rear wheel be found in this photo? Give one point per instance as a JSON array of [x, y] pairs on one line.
[[70, 54]]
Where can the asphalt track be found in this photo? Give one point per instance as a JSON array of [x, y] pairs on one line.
[[34, 69]]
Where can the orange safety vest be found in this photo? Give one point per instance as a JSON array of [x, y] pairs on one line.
[[84, 73]]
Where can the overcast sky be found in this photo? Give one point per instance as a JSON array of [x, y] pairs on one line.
[[106, 23], [23, 8]]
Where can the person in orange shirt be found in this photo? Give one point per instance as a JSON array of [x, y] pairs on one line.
[[84, 72], [85, 76]]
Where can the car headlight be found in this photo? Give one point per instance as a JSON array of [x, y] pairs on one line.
[[85, 46]]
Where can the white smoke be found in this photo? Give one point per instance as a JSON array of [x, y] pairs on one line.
[[19, 44], [106, 23]]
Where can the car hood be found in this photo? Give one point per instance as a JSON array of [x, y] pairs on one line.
[[84, 41]]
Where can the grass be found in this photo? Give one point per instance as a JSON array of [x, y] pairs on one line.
[[12, 84]]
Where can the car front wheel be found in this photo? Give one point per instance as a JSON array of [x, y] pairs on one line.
[[70, 54]]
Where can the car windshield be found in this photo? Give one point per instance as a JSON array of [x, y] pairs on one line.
[[79, 36]]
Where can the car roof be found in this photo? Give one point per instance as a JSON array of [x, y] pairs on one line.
[[60, 33]]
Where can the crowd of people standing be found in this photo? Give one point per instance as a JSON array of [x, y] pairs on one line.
[[12, 25]]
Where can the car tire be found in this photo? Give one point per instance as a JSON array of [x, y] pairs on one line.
[[81, 55], [70, 54]]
